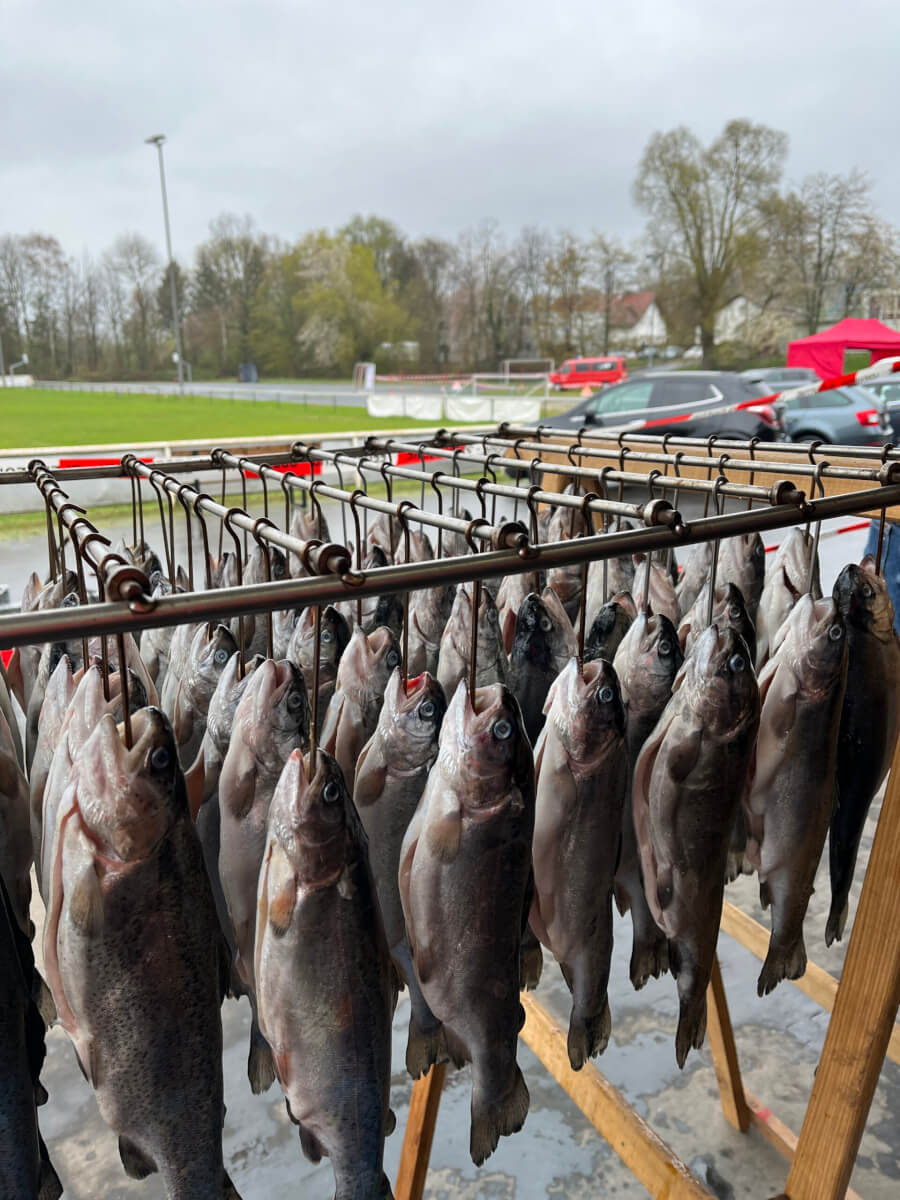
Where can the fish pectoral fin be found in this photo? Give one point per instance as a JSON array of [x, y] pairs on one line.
[[194, 778], [310, 1145], [137, 1165], [281, 908], [86, 903], [683, 757], [345, 885], [371, 773]]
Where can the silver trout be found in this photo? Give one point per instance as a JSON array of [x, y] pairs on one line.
[[333, 640], [581, 770], [647, 662], [465, 884], [870, 722], [429, 612], [791, 799], [688, 783], [510, 598], [390, 778], [456, 644], [135, 958], [22, 669], [786, 581], [662, 591], [609, 627], [362, 676], [742, 561], [694, 574], [187, 703], [729, 609], [544, 642], [324, 977], [271, 720]]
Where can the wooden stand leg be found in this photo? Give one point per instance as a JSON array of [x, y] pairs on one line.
[[724, 1053], [641, 1150], [861, 1025], [419, 1134]]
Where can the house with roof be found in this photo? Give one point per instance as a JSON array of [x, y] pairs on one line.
[[634, 321]]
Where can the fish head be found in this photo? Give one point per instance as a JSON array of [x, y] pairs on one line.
[[335, 634], [814, 638], [210, 655], [534, 629], [411, 717], [720, 679], [862, 597], [488, 615], [310, 815], [485, 746], [130, 798], [660, 655], [279, 705], [586, 708]]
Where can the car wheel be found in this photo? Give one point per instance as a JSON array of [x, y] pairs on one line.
[[808, 435]]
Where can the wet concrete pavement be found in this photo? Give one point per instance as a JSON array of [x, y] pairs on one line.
[[558, 1153]]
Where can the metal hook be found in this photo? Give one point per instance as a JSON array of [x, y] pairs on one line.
[[226, 524], [435, 487], [267, 557], [343, 507], [720, 481], [170, 562], [817, 483], [588, 519], [189, 537], [402, 509], [354, 500], [751, 449], [491, 470], [204, 533]]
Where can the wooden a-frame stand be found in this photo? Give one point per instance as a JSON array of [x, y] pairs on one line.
[[860, 1033]]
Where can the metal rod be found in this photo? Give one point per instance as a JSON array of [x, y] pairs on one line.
[[53, 624]]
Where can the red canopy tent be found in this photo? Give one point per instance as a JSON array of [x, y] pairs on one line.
[[824, 351]]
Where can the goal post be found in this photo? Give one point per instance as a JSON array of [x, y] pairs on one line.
[[525, 366]]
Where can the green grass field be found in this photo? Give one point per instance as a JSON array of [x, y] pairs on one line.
[[34, 417]]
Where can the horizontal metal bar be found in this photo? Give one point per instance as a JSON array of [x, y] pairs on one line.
[[51, 625]]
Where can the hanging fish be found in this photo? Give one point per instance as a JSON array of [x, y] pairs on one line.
[[787, 578], [870, 722], [688, 783], [582, 770], [362, 676], [792, 795]]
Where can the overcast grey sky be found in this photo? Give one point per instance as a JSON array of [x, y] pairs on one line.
[[435, 116]]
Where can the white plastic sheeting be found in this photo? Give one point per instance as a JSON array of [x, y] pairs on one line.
[[454, 407]]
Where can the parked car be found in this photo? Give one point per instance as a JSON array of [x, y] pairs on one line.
[[673, 402], [779, 379], [588, 372], [888, 392], [850, 416]]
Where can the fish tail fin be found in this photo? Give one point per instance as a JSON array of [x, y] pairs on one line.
[[260, 1064], [648, 957], [782, 962], [229, 1191], [49, 1185], [588, 1035], [492, 1120], [837, 921], [691, 1026], [531, 961], [136, 1163], [424, 1047]]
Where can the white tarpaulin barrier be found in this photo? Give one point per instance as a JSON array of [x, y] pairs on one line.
[[492, 409], [385, 404], [394, 404]]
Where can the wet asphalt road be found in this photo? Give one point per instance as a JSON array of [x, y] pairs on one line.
[[558, 1153]]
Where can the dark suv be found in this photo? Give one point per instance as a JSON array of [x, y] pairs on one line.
[[674, 402]]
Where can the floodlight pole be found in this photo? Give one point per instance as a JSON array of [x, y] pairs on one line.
[[157, 141]]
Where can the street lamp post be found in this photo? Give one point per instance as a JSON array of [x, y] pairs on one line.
[[157, 141]]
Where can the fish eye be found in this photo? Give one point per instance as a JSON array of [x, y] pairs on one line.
[[835, 633], [327, 635], [331, 792], [665, 647], [868, 591], [492, 615], [160, 758], [278, 572], [736, 662], [502, 729], [295, 701], [426, 709], [393, 658], [734, 612], [606, 694], [546, 624], [221, 657]]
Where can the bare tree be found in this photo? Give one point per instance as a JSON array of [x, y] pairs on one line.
[[567, 271], [708, 202], [612, 264]]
